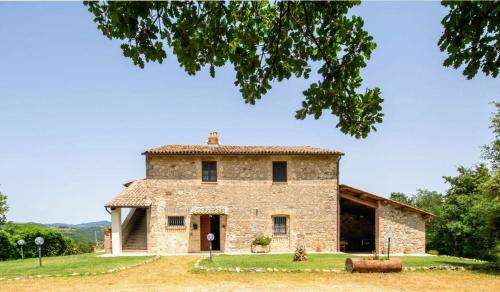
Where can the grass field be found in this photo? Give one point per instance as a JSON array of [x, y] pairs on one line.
[[322, 261], [175, 274], [65, 265]]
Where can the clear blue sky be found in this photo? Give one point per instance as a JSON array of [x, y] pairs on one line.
[[75, 114]]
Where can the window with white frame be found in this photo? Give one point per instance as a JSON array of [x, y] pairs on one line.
[[280, 225], [175, 221]]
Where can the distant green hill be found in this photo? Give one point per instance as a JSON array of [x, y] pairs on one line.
[[97, 224], [83, 233]]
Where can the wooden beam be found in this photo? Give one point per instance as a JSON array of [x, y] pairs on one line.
[[358, 200]]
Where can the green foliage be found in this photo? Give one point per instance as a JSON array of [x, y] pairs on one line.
[[262, 240], [466, 219], [7, 249], [429, 201], [3, 209], [55, 243], [84, 237], [400, 197], [85, 246], [466, 226], [433, 252], [471, 36], [264, 41], [491, 152]]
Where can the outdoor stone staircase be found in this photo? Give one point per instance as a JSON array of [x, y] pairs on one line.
[[137, 237]]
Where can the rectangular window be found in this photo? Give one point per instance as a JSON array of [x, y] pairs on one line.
[[279, 171], [209, 171], [279, 225], [175, 220]]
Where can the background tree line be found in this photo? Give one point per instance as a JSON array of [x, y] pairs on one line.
[[467, 215], [56, 243]]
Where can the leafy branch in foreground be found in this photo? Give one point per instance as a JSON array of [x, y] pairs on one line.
[[471, 36], [265, 42]]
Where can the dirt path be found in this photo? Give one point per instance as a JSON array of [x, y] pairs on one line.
[[174, 274]]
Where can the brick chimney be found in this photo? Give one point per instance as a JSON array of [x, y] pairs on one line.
[[213, 139]]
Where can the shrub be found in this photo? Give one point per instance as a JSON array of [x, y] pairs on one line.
[[300, 254], [7, 248], [433, 252], [262, 240], [55, 243], [85, 246]]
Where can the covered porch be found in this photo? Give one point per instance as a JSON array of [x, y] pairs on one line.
[[366, 221], [129, 233]]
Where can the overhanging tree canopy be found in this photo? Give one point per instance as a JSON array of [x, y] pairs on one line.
[[471, 36], [264, 42]]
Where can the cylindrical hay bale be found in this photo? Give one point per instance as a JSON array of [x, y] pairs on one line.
[[373, 266]]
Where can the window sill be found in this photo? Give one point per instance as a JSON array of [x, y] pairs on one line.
[[280, 183], [208, 182], [175, 227]]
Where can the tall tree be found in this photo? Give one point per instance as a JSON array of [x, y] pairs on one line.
[[466, 223], [431, 201], [3, 209], [491, 152], [401, 197], [471, 36], [264, 41]]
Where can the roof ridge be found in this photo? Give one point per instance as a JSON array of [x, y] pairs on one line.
[[240, 149]]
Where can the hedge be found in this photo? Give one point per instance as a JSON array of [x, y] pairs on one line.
[[55, 244]]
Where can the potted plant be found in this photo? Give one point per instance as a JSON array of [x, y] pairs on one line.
[[261, 244]]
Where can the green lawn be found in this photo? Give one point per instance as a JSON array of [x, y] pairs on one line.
[[321, 261], [66, 265]]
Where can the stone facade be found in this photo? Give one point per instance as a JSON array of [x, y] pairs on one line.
[[246, 199], [405, 228], [245, 189]]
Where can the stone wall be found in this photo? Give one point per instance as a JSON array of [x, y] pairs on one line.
[[245, 189], [405, 228], [242, 169]]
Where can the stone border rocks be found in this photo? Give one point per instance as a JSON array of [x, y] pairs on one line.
[[199, 267], [118, 269]]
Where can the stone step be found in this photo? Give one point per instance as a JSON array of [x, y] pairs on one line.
[[136, 239]]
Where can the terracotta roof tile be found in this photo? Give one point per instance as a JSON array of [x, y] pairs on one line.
[[240, 150], [134, 195]]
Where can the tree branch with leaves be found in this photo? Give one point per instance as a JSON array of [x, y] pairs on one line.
[[471, 36], [265, 42]]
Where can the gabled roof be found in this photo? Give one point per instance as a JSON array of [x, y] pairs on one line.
[[357, 194], [134, 195], [200, 149]]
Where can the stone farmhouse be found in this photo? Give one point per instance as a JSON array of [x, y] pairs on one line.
[[289, 193]]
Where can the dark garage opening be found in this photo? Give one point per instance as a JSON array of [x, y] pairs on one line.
[[357, 227]]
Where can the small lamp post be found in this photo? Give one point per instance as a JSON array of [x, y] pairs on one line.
[[21, 243], [210, 238], [39, 241]]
